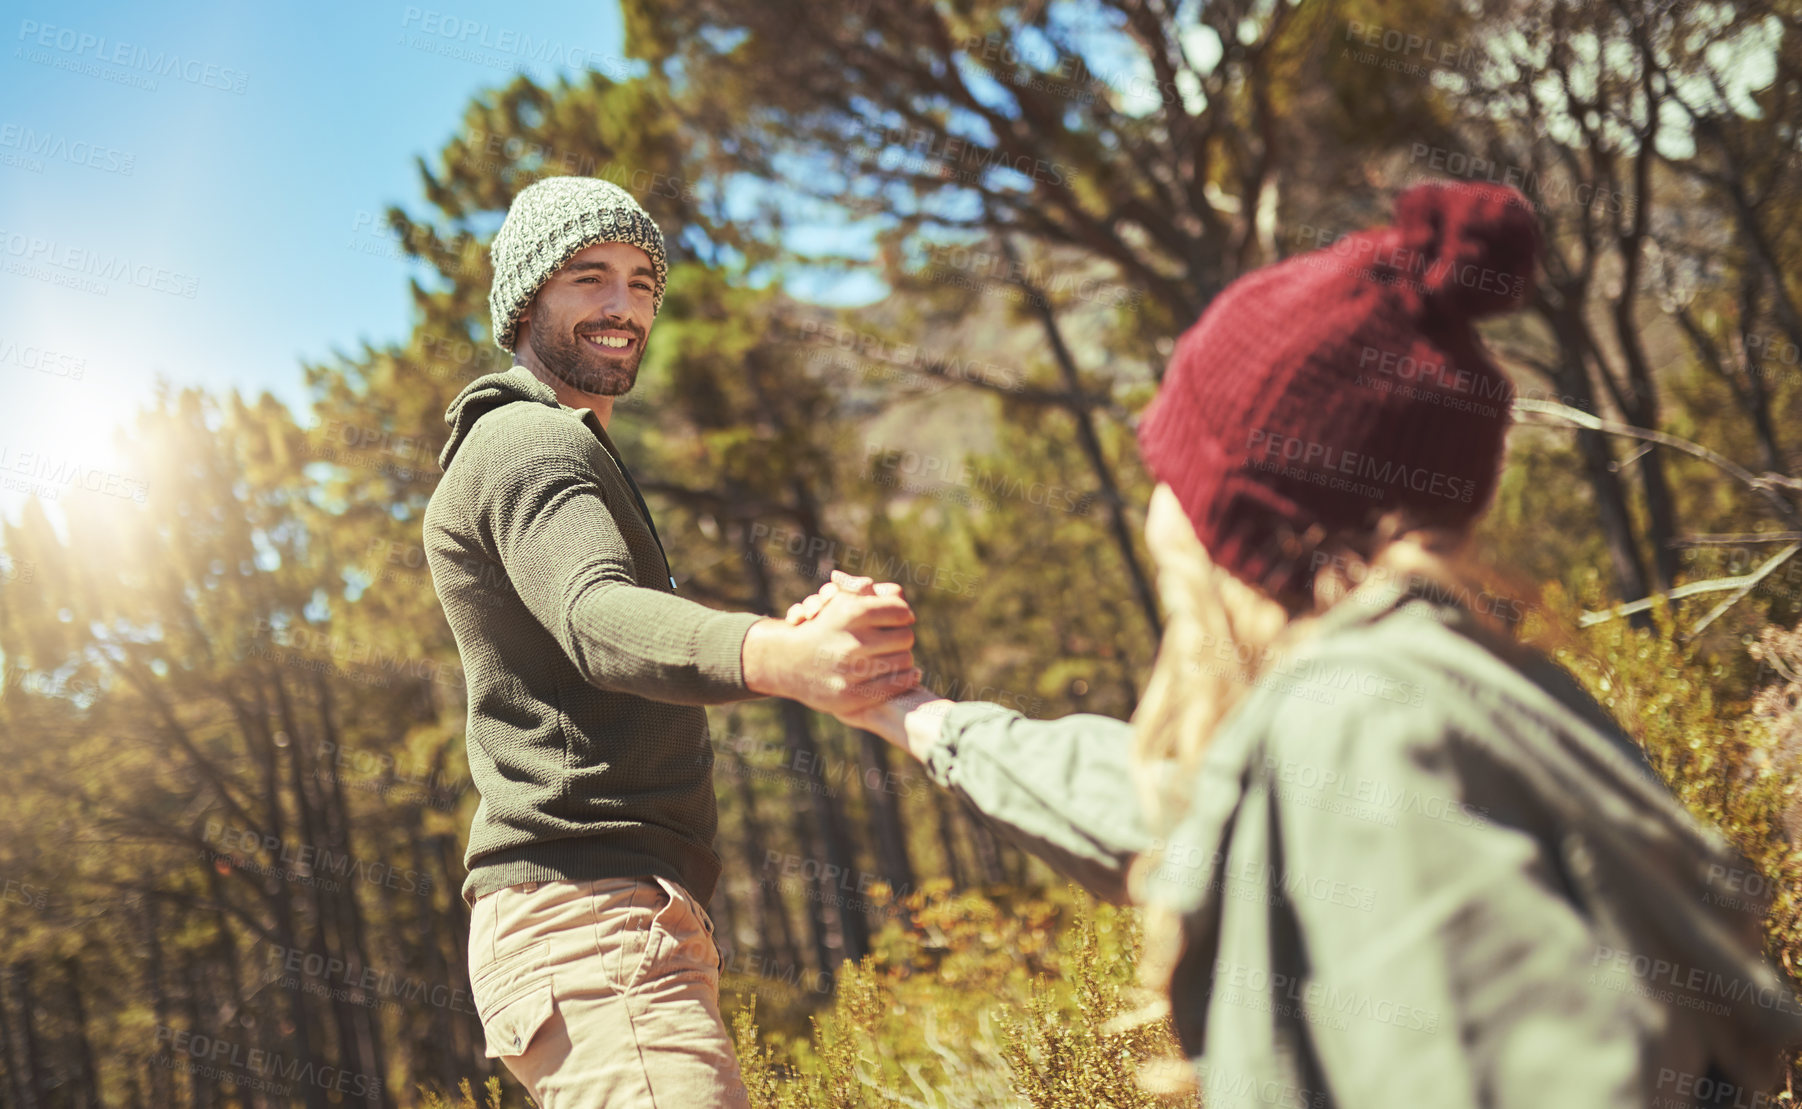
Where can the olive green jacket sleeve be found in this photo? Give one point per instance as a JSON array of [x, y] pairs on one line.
[[1058, 789]]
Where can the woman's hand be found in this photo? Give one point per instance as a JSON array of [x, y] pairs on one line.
[[804, 610]]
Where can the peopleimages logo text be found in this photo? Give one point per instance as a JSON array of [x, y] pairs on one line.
[[1268, 449], [98, 264], [218, 1052], [310, 859], [58, 148], [157, 63]]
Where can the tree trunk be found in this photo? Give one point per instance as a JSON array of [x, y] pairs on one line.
[[885, 790], [225, 951], [1758, 391], [37, 1067], [829, 822], [1114, 504], [437, 1058], [1753, 397], [1642, 411], [988, 848], [775, 933], [365, 1035], [834, 834], [285, 916], [1758, 244], [9, 1071], [328, 936], [1641, 394], [202, 1091], [88, 1074], [20, 1042], [162, 1094], [1599, 465], [945, 821], [813, 911], [468, 1043]]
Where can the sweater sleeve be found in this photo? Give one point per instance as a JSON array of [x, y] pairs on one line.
[[540, 507], [1058, 789]]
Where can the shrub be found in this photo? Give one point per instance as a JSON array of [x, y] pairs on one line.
[[972, 1001]]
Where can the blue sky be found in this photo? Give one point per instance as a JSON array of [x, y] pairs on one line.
[[220, 227], [192, 193]]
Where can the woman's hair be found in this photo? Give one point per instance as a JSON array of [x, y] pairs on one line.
[[1221, 634]]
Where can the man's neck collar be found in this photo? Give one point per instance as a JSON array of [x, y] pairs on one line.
[[568, 398]]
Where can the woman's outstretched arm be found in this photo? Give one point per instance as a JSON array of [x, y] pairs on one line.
[[1061, 790]]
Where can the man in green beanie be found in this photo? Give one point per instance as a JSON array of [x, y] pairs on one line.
[[591, 954]]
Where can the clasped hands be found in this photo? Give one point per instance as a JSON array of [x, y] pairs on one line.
[[847, 651]]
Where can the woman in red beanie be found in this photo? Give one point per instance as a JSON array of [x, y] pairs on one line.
[[1387, 857]]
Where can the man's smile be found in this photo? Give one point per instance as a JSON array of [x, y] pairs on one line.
[[611, 340]]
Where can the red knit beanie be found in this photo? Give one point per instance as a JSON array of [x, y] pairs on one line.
[[1319, 393]]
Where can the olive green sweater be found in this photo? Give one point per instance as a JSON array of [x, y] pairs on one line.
[[585, 672]]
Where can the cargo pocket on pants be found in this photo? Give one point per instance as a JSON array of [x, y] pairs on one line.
[[513, 997], [512, 1025]]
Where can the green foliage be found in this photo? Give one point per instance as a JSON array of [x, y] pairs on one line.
[[997, 1000], [1077, 1044], [1715, 756]]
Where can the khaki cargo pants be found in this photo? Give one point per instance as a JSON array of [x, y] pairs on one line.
[[603, 993]]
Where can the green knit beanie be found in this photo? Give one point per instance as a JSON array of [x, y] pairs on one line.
[[547, 224]]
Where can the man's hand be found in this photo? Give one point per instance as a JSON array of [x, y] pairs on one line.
[[854, 650], [911, 718]]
